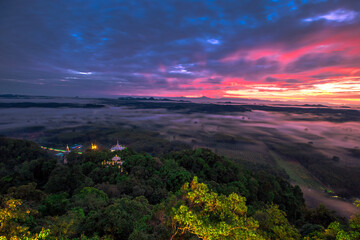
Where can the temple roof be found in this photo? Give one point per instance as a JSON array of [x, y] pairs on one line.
[[117, 147]]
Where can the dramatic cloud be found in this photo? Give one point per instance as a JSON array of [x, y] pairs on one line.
[[340, 15], [284, 49]]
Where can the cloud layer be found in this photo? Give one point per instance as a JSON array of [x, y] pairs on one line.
[[304, 50]]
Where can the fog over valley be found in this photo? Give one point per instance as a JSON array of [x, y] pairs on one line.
[[274, 138]]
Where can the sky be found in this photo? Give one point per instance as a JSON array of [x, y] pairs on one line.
[[298, 50]]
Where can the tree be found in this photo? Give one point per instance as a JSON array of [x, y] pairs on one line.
[[336, 231], [321, 216], [55, 204], [67, 226], [90, 198], [211, 216], [11, 217], [274, 224], [119, 219], [26, 192]]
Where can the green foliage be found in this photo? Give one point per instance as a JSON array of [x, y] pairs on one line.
[[174, 175], [354, 222], [274, 225], [336, 231], [55, 204], [11, 215], [310, 230], [119, 219], [90, 199], [226, 177], [67, 179], [26, 192], [22, 162], [340, 232], [66, 226], [87, 200], [12, 219], [212, 216], [321, 216]]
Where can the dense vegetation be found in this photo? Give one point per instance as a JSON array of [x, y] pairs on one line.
[[188, 194]]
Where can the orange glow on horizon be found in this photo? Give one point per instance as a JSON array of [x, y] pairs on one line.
[[318, 67]]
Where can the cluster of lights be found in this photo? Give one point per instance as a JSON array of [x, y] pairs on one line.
[[57, 150], [116, 161], [112, 163]]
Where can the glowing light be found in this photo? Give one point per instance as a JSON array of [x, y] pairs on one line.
[[93, 147]]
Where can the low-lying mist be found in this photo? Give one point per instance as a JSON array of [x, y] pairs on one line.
[[315, 153]]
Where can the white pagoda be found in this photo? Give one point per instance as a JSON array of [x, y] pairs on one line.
[[117, 147]]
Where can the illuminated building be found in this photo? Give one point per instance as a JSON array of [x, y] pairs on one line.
[[115, 161], [117, 147], [67, 149], [62, 154]]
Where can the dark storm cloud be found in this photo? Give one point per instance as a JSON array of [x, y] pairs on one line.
[[82, 46]]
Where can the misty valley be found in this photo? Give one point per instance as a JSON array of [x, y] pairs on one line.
[[180, 120], [309, 147]]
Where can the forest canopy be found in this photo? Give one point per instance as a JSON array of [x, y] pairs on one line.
[[187, 194]]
